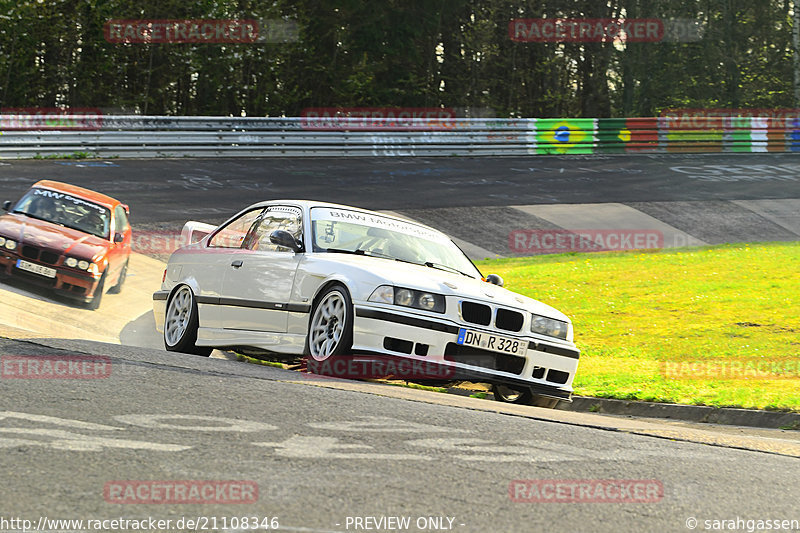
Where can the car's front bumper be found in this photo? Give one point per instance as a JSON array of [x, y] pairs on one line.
[[547, 367], [66, 282]]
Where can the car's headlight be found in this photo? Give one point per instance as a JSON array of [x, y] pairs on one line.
[[408, 298], [10, 245], [550, 327], [82, 264], [2, 241]]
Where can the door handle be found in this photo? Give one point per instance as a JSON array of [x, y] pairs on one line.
[[237, 263]]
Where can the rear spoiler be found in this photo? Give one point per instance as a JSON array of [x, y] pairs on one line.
[[193, 232]]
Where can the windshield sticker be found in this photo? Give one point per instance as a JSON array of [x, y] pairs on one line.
[[366, 219], [67, 198]]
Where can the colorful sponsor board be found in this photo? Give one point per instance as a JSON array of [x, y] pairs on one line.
[[565, 136], [725, 118], [620, 135], [727, 129]]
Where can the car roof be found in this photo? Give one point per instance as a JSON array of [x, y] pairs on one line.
[[74, 190]]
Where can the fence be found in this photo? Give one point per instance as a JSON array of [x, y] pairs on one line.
[[158, 136]]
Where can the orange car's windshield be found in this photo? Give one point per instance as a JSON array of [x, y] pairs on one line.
[[65, 210]]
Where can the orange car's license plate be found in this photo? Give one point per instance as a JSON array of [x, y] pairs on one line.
[[36, 269]]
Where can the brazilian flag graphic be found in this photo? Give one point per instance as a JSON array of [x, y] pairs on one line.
[[565, 136]]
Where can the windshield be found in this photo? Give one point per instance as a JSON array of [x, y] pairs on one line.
[[346, 231], [65, 210]]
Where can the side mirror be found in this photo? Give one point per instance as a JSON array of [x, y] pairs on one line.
[[119, 237], [281, 237], [127, 209], [6, 205], [494, 279]]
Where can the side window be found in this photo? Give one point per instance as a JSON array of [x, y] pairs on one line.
[[233, 234], [121, 223], [274, 218]]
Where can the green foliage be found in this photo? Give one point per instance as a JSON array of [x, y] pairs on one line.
[[644, 319], [395, 53]]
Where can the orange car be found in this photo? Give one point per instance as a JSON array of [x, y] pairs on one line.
[[71, 239]]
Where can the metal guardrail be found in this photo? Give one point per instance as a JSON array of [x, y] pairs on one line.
[[158, 136]]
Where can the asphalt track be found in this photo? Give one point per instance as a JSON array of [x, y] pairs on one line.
[[323, 451], [691, 199], [174, 189]]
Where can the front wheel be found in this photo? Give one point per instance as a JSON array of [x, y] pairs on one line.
[[330, 330], [181, 322], [94, 303], [122, 275]]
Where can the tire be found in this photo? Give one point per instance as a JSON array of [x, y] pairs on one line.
[[122, 275], [330, 328], [94, 303], [181, 322]]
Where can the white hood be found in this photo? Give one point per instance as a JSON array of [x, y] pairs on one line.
[[390, 272]]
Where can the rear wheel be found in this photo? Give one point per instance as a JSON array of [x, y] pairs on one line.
[[181, 322]]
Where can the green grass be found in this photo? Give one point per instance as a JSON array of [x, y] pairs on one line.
[[634, 312], [247, 359]]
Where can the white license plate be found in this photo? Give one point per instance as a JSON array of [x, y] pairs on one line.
[[36, 269], [489, 341]]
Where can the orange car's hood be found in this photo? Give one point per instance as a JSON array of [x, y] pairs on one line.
[[43, 234]]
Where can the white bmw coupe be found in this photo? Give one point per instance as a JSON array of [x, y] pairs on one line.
[[333, 282]]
